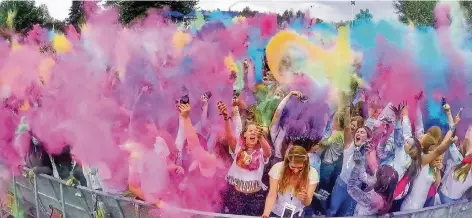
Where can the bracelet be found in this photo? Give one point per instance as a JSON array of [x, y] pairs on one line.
[[227, 118], [452, 128]]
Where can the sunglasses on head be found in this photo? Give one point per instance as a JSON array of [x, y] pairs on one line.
[[295, 168]]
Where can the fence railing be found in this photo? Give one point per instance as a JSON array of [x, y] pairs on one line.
[[45, 196]]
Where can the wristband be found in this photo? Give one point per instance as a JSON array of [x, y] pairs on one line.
[[452, 128], [227, 118]]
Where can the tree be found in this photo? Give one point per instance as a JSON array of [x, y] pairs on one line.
[[363, 16], [420, 13], [129, 10], [288, 15], [466, 6], [26, 15], [76, 14], [247, 12]]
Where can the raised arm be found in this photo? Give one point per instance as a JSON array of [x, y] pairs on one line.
[[438, 151], [387, 141], [266, 149], [180, 138], [204, 116], [419, 128], [282, 104], [366, 199], [406, 126], [190, 132], [237, 122], [347, 128], [227, 126], [448, 139]]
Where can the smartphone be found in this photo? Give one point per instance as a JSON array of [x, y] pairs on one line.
[[304, 99], [289, 210], [443, 101], [460, 111], [184, 99], [208, 94], [236, 93]]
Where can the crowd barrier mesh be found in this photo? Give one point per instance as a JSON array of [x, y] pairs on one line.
[[47, 197]]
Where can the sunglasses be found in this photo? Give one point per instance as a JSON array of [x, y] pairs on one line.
[[296, 167]]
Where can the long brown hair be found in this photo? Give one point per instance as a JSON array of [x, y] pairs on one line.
[[298, 155], [430, 142]]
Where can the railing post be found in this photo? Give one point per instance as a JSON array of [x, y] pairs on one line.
[[63, 204], [36, 197], [449, 211], [15, 196], [136, 210]]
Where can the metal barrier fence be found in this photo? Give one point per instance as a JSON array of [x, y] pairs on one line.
[[45, 196]]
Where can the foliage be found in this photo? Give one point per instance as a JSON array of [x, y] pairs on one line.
[[363, 16], [288, 15], [27, 14], [466, 6], [76, 14], [420, 13], [130, 10], [247, 12]]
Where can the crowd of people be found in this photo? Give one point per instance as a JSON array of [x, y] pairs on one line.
[[140, 117], [364, 163]]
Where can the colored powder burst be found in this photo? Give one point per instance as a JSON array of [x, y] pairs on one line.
[[10, 19], [96, 92], [61, 44]]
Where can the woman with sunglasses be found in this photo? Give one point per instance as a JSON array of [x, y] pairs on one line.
[[292, 185]]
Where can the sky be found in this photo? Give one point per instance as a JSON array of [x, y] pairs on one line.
[[326, 10]]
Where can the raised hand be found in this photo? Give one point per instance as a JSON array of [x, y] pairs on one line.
[[398, 110], [419, 96], [184, 110], [457, 118], [222, 109], [298, 94], [204, 99], [261, 131]]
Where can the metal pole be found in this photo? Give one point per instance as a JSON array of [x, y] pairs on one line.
[[36, 197], [15, 196], [352, 15], [63, 204]]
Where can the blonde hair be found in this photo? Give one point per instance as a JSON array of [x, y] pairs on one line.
[[359, 120], [462, 171], [428, 143], [298, 155], [435, 132]]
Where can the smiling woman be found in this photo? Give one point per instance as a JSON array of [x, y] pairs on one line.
[[292, 185]]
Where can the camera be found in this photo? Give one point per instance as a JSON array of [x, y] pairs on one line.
[[184, 99], [208, 94]]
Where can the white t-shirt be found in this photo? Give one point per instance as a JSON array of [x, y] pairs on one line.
[[452, 188], [289, 197], [421, 185], [248, 179], [348, 163]]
